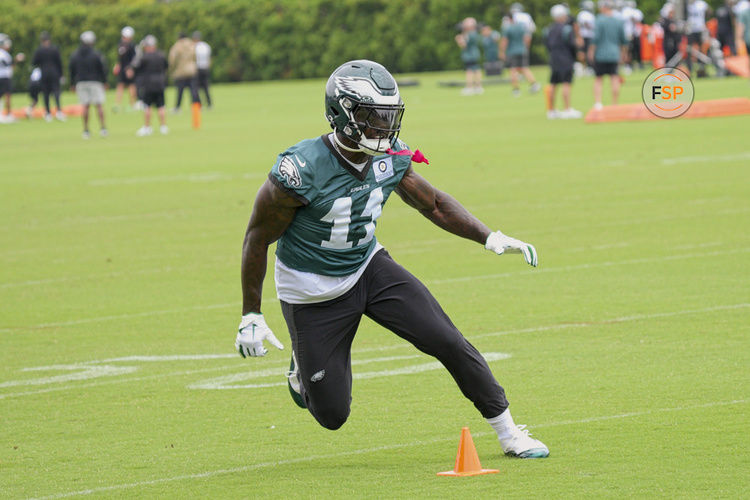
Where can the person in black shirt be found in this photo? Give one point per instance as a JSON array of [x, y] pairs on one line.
[[725, 26], [151, 71], [87, 77], [47, 59], [125, 55], [672, 34], [560, 40]]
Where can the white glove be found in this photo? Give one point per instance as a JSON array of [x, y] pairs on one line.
[[252, 332], [500, 244]]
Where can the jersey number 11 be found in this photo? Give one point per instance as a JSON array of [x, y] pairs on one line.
[[340, 216]]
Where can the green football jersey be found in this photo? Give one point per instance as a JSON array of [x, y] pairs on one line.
[[333, 232], [515, 33], [470, 53]]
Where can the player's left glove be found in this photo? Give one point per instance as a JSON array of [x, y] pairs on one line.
[[499, 243], [252, 332]]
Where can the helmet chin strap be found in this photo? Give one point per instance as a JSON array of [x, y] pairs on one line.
[[360, 149], [341, 144]]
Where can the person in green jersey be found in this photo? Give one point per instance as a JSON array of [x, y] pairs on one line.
[[606, 50], [468, 40], [493, 66], [321, 203], [514, 50]]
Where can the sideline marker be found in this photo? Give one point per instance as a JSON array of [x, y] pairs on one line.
[[196, 115], [467, 460]]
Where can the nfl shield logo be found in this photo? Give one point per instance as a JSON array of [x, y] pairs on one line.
[[383, 168]]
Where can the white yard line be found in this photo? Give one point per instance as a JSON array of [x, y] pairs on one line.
[[363, 451], [707, 158], [280, 369]]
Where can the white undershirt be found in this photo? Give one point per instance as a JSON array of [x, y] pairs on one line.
[[299, 287]]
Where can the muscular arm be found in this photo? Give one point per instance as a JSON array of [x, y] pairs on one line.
[[441, 208], [272, 213]]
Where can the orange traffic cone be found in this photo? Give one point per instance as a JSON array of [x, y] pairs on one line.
[[196, 115], [467, 460], [548, 96]]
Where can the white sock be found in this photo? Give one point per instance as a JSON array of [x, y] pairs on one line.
[[502, 424]]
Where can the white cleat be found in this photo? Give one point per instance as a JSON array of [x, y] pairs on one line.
[[60, 116], [164, 130], [144, 131], [570, 114], [598, 106], [293, 382], [552, 115], [519, 443]]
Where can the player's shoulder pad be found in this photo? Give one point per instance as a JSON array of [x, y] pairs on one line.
[[294, 170], [400, 145]]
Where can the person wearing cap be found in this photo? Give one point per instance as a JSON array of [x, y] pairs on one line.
[[559, 38], [607, 50], [184, 69], [47, 59], [7, 62], [203, 61], [151, 70], [468, 42], [125, 55], [87, 77]]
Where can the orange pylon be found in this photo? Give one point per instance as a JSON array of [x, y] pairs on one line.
[[467, 460], [196, 115]]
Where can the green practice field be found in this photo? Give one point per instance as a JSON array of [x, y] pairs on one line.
[[626, 351]]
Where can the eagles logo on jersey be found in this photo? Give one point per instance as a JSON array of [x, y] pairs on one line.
[[288, 169]]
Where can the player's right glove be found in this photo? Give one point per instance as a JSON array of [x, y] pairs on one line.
[[252, 332], [499, 243]]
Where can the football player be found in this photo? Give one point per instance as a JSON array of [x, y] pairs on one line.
[[321, 203]]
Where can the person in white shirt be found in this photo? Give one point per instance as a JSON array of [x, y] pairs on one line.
[[519, 16], [6, 74], [586, 21], [632, 16], [740, 6], [697, 11], [203, 61]]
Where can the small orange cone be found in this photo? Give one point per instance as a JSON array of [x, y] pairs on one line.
[[467, 460], [196, 115], [548, 96]]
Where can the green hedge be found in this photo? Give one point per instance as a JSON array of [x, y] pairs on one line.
[[272, 39]]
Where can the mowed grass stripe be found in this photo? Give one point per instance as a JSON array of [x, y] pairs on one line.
[[529, 272], [281, 368], [361, 451]]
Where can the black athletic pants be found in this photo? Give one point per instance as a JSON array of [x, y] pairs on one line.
[[322, 336], [51, 86], [182, 84], [203, 83]]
